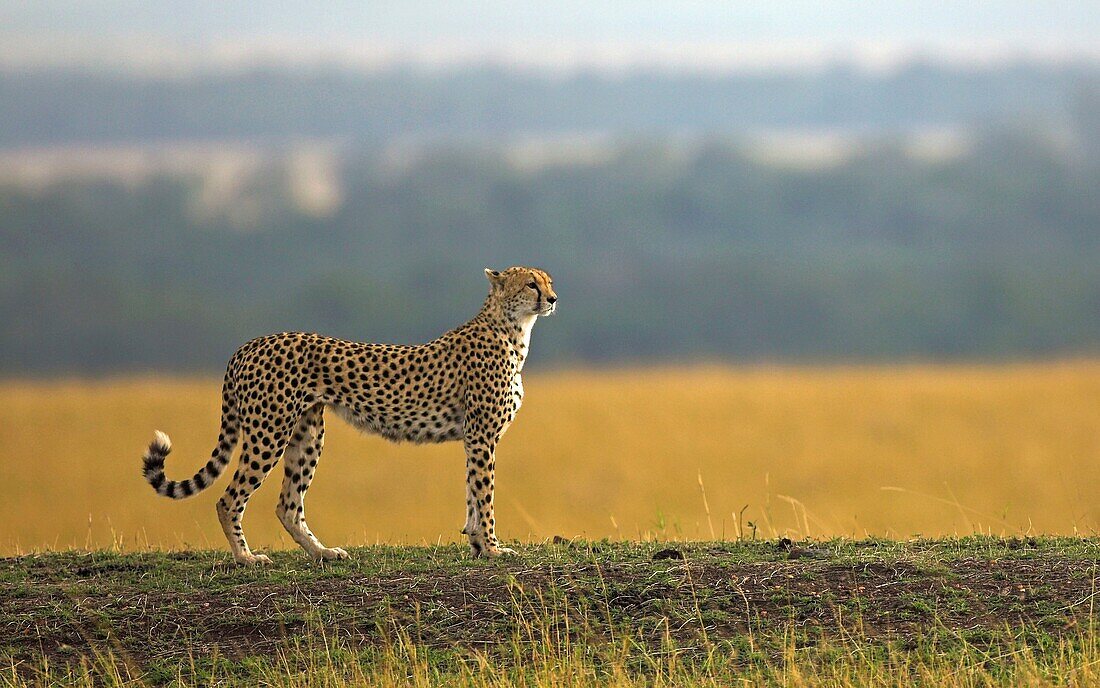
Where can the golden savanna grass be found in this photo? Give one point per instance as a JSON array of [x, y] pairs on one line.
[[697, 452]]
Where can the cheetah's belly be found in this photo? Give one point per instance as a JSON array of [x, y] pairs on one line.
[[429, 424]]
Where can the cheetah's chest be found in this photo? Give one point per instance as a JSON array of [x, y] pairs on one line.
[[517, 392]]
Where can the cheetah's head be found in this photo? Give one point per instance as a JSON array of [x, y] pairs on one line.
[[522, 292]]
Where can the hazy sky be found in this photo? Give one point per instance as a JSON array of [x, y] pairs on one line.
[[556, 34]]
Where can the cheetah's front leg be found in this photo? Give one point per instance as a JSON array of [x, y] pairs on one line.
[[480, 521], [471, 520]]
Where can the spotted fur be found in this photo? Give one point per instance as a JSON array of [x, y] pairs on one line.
[[465, 385]]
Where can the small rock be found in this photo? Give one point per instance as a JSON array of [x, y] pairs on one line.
[[668, 554], [799, 552]]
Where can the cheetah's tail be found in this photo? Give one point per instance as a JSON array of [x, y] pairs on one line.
[[161, 446]]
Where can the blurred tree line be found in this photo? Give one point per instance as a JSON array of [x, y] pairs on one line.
[[657, 251], [48, 107]]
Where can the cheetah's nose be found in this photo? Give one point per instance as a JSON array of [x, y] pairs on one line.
[[551, 299]]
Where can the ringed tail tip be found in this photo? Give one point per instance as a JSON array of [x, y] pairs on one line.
[[159, 448]]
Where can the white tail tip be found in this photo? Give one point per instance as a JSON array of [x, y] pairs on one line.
[[162, 441]]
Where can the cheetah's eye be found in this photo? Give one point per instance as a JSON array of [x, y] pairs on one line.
[[532, 285]]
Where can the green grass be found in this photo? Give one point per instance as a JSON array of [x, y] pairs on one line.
[[969, 611]]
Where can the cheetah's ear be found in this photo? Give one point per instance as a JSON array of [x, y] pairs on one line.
[[495, 278]]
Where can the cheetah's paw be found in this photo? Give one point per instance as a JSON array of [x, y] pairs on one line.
[[331, 554], [253, 559]]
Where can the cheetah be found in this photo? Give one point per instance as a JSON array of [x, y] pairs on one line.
[[465, 385]]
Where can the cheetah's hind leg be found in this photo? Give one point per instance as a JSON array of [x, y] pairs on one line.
[[261, 449], [299, 463]]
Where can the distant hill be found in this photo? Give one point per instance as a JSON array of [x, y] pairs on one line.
[[64, 107]]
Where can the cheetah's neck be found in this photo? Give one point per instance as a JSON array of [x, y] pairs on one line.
[[517, 330], [522, 337]]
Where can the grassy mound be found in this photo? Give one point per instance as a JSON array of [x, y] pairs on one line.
[[975, 611]]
